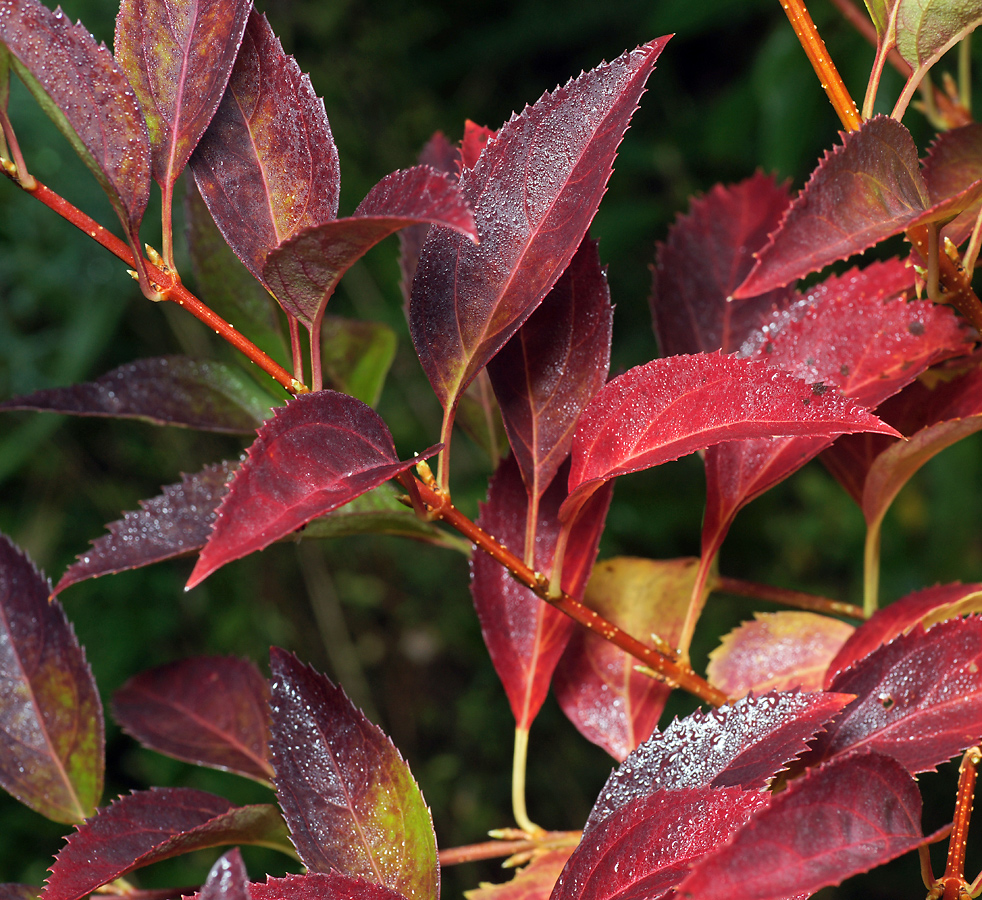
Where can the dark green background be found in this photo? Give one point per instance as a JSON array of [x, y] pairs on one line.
[[732, 93]]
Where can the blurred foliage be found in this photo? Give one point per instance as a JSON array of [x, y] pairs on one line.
[[393, 621]]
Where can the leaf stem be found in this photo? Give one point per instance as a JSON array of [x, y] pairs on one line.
[[825, 69], [796, 599], [518, 768], [167, 225], [21, 176], [550, 840], [871, 569], [953, 880], [167, 284], [956, 288], [676, 674]]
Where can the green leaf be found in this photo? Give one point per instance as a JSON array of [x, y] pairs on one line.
[[356, 356]]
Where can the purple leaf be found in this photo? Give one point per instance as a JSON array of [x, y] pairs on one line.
[[51, 725], [165, 390], [534, 191], [304, 271], [547, 373], [846, 817], [210, 711], [347, 795], [267, 166], [316, 453], [320, 886]]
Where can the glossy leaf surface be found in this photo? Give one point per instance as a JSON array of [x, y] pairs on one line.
[[918, 698], [227, 879], [178, 57], [708, 253], [596, 683], [150, 826], [647, 847], [534, 191], [348, 796], [777, 651], [314, 455], [166, 390], [267, 166], [865, 190], [924, 30], [847, 817], [320, 886], [176, 522], [52, 745], [740, 745], [671, 407], [85, 93], [926, 607], [532, 882], [304, 270], [524, 635], [547, 373], [207, 710]]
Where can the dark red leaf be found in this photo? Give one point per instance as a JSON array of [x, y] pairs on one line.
[[304, 271], [865, 190], [348, 796], [52, 745], [708, 254], [227, 880], [524, 635], [596, 683], [777, 651], [534, 191], [643, 850], [84, 91], [547, 373], [671, 407], [854, 335], [849, 816], [314, 455], [953, 164], [164, 390], [320, 886], [741, 745], [178, 57], [177, 522], [267, 166], [11, 891], [533, 882], [918, 698], [920, 607], [210, 711], [149, 826]]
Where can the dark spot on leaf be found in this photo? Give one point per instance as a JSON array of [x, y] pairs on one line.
[[844, 370], [886, 700], [916, 328], [810, 361], [769, 347], [819, 388]]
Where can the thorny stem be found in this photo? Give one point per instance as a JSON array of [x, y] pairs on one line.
[[678, 675], [817, 54], [797, 599], [167, 285], [549, 840]]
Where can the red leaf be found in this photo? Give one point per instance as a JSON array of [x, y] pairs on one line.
[[178, 57], [165, 390], [210, 711], [533, 882], [304, 271], [918, 698], [708, 254], [777, 651], [315, 454], [227, 879], [744, 744], [920, 607], [84, 91], [648, 846], [51, 726], [176, 522], [597, 684], [534, 191], [149, 826], [320, 886], [348, 796], [845, 337], [671, 407], [267, 166], [849, 816], [865, 190], [524, 635], [547, 373], [476, 138], [953, 164]]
